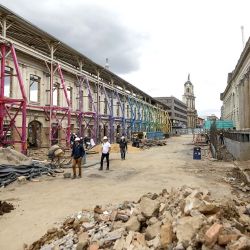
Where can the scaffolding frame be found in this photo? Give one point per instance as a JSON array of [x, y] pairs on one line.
[[10, 108], [60, 58]]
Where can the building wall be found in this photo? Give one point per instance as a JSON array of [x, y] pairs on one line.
[[236, 96], [30, 66]]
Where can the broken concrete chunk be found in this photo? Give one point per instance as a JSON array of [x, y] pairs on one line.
[[133, 224], [152, 231], [149, 207], [242, 244], [166, 235], [187, 228], [225, 239]]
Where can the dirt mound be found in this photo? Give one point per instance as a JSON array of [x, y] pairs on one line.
[[10, 156], [115, 148], [5, 207], [183, 218]]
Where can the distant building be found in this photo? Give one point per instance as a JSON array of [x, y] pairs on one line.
[[177, 111], [212, 117], [189, 99], [200, 122]]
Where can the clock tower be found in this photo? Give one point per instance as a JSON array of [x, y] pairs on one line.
[[189, 99]]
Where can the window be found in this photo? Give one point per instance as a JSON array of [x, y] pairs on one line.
[[105, 106], [56, 94], [69, 93], [99, 104], [8, 82], [34, 88], [117, 109], [89, 104], [188, 90]]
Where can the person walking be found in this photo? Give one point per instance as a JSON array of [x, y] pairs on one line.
[[106, 147], [123, 147], [221, 139], [77, 153]]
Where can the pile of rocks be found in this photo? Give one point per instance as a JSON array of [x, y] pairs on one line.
[[238, 179], [145, 144], [5, 207], [181, 219]]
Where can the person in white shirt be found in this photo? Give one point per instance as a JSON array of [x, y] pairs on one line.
[[105, 152]]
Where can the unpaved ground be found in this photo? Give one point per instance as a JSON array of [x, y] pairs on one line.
[[40, 205]]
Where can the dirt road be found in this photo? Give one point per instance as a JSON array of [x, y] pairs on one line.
[[40, 205]]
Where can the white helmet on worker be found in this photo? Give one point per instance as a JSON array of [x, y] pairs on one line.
[[122, 137], [105, 138], [77, 139]]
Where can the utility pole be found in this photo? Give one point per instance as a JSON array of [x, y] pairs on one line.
[[242, 36]]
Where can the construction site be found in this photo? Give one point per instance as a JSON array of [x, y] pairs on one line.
[[173, 191]]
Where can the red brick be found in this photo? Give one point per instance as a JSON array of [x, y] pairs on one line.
[[212, 234]]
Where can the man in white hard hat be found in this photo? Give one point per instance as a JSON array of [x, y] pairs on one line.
[[77, 154], [106, 147]]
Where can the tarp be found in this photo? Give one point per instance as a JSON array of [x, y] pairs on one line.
[[220, 124], [9, 173]]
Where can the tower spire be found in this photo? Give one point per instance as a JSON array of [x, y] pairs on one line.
[[189, 77]]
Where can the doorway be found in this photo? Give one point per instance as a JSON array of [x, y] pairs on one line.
[[34, 134]]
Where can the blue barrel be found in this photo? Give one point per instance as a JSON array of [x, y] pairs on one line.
[[197, 153]]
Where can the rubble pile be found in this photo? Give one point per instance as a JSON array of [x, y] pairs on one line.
[[238, 179], [145, 144], [181, 219], [5, 207], [223, 154]]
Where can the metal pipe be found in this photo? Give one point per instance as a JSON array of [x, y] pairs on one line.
[[3, 51]]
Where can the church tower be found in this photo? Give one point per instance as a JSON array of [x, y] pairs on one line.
[[189, 99]]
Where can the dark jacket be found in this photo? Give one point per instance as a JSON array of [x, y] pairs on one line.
[[123, 144], [77, 151]]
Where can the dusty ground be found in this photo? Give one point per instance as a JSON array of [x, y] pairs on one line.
[[40, 205]]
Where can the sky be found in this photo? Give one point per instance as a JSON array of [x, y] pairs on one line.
[[153, 44]]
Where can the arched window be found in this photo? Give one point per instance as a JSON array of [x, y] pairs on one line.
[[188, 90]]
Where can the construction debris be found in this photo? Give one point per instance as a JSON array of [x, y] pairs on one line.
[[238, 179], [13, 157], [181, 219], [22, 173], [145, 144], [5, 207]]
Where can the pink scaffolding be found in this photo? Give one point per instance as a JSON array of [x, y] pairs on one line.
[[87, 121], [10, 107]]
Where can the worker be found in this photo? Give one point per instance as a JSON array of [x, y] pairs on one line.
[[207, 138], [221, 139], [72, 139], [106, 147], [87, 142], [123, 147], [77, 154], [85, 155], [118, 138]]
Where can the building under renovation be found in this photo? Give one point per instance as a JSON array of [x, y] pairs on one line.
[[49, 90]]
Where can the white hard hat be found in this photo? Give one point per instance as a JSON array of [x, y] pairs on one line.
[[122, 137], [105, 138], [77, 139]]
